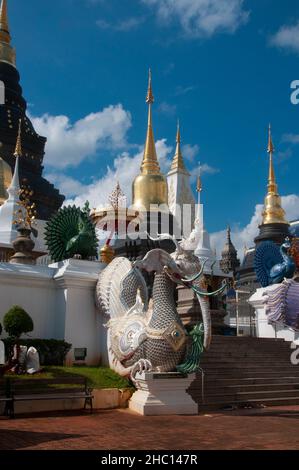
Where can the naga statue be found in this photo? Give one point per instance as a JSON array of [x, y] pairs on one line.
[[147, 334], [281, 303], [272, 263], [70, 233]]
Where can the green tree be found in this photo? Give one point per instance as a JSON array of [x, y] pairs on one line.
[[16, 322]]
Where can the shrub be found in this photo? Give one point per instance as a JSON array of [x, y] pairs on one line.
[[52, 352], [16, 322]]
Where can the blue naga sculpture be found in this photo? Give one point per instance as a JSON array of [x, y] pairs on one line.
[[272, 263]]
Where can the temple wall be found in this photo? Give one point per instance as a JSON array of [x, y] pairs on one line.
[[61, 301]]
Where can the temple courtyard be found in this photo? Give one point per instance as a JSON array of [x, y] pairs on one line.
[[264, 428]]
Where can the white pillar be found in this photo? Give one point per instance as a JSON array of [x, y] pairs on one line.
[[78, 320]]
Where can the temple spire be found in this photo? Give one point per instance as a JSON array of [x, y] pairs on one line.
[[7, 53], [272, 186], [150, 163], [199, 191], [229, 257], [4, 28], [18, 150], [273, 212], [178, 161], [14, 188]]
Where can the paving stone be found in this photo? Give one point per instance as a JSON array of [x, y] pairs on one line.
[[270, 428]]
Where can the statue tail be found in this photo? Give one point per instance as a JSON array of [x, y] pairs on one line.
[[193, 357]]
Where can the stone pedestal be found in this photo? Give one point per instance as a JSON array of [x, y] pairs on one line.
[[163, 394], [23, 246], [265, 329]]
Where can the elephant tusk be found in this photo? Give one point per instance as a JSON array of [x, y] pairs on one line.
[[209, 294], [194, 278]]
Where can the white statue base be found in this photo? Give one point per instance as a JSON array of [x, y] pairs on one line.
[[265, 329], [163, 394]]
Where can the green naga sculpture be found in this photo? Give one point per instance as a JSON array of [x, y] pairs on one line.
[[70, 233]]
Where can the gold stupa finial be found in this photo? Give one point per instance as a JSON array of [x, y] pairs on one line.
[[272, 186], [150, 186], [117, 198], [270, 142], [178, 133], [273, 212], [150, 96], [178, 161], [7, 53], [18, 150], [150, 165], [107, 254]]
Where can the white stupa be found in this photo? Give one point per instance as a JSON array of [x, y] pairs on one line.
[[180, 196], [203, 248], [8, 232]]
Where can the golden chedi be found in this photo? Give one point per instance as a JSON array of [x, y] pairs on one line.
[[273, 212], [150, 187], [7, 52]]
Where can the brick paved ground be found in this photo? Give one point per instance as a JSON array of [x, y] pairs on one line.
[[272, 428]]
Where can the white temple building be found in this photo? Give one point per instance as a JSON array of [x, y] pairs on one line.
[[179, 190]]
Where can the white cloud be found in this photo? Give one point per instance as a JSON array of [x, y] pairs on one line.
[[201, 17], [202, 169], [167, 109], [291, 138], [181, 91], [242, 236], [124, 170], [287, 37], [190, 151], [68, 186], [122, 26], [69, 144]]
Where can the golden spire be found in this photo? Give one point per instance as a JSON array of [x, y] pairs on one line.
[[149, 188], [272, 186], [18, 150], [150, 165], [150, 97], [273, 212], [7, 53], [178, 161], [4, 28]]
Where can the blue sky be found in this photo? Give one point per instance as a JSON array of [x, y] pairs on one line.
[[223, 67]]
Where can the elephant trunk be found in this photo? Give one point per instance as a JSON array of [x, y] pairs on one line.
[[206, 319]]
